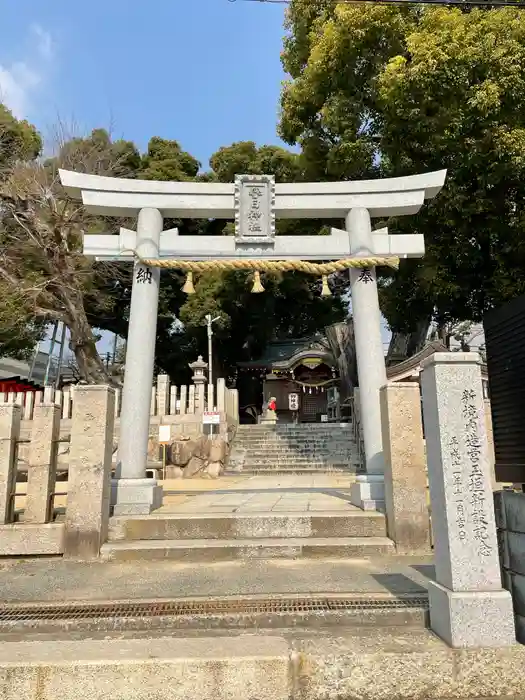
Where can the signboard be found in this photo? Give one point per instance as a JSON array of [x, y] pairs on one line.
[[324, 419], [164, 434], [293, 402], [211, 418]]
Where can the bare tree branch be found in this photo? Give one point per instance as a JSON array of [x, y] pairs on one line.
[[41, 232]]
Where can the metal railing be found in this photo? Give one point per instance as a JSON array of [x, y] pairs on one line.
[[357, 431]]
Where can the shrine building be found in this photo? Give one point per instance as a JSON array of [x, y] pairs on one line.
[[301, 374]]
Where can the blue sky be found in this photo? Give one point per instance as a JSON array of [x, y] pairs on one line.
[[204, 72]]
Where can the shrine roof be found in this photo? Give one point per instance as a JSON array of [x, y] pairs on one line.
[[285, 352], [412, 365]]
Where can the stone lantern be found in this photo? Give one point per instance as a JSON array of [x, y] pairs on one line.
[[199, 368]]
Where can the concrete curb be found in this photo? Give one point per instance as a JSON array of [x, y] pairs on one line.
[[247, 668], [413, 665]]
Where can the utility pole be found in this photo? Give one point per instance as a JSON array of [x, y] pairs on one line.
[[33, 362], [60, 356], [209, 321], [50, 355]]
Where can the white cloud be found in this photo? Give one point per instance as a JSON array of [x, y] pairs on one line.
[[44, 42], [20, 80]]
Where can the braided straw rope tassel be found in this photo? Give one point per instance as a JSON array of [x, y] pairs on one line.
[[257, 284], [325, 290]]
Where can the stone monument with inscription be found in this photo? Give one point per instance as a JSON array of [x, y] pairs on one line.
[[468, 606], [254, 202]]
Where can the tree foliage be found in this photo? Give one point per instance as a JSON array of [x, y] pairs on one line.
[[19, 330], [390, 91], [19, 140]]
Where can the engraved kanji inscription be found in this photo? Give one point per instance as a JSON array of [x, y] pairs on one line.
[[144, 275], [365, 275], [254, 207]]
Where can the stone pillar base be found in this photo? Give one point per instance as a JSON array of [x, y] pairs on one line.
[[368, 492], [471, 618], [135, 496]]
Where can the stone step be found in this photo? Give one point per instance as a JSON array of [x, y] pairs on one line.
[[320, 466], [254, 471], [265, 525], [228, 550], [297, 466], [295, 436], [317, 463], [294, 443], [299, 448], [293, 427], [292, 454], [283, 459], [287, 462], [236, 449], [282, 430], [235, 470], [312, 435]]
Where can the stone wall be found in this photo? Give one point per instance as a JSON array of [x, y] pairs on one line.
[[184, 403], [181, 408], [44, 515], [57, 456]]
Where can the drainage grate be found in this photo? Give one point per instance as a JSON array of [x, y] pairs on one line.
[[208, 607]]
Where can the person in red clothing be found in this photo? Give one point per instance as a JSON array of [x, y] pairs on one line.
[[272, 404]]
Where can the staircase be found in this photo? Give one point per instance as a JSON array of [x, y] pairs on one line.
[[225, 537], [339, 531], [294, 449]]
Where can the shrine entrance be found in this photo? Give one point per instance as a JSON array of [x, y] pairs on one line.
[[254, 202], [299, 373]]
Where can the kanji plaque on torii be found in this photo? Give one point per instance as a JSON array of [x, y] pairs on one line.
[[254, 208]]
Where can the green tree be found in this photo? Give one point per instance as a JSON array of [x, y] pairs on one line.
[[19, 331], [390, 91], [165, 160], [19, 140]]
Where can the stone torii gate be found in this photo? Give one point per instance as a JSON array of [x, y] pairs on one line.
[[254, 201]]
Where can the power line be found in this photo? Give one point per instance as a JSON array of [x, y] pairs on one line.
[[454, 3]]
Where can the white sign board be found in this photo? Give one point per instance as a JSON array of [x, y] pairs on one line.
[[211, 418], [164, 434], [293, 402], [324, 419]]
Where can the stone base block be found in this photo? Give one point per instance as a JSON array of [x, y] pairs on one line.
[[368, 492], [231, 669], [135, 496], [466, 619]]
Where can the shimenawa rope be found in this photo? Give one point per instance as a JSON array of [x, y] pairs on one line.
[[258, 266]]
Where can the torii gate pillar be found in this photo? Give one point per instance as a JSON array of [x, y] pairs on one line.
[[131, 492], [368, 491]]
